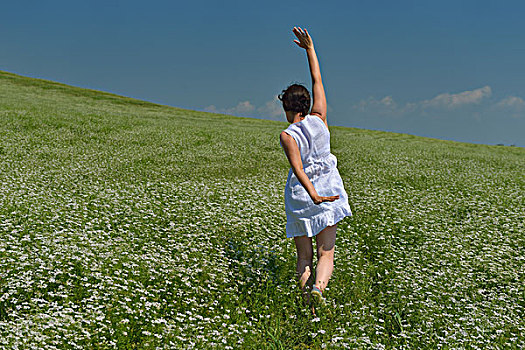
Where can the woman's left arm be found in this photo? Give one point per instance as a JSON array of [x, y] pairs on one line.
[[294, 157]]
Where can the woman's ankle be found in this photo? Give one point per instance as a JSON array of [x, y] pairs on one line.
[[321, 285]]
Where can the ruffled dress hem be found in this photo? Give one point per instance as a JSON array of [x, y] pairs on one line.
[[313, 225]]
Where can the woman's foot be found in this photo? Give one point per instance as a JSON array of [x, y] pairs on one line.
[[317, 295], [305, 284], [319, 305]]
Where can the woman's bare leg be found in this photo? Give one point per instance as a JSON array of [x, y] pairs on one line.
[[304, 259], [325, 256]]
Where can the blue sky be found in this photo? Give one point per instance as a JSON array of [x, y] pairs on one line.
[[449, 69]]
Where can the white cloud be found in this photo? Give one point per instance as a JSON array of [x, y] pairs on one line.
[[272, 109], [388, 106], [512, 106], [511, 102], [459, 99], [386, 103], [472, 116], [211, 109], [242, 109]]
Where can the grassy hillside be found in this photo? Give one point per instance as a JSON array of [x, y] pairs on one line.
[[126, 224]]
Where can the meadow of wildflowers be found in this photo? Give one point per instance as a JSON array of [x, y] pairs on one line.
[[125, 224]]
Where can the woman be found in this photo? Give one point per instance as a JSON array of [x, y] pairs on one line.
[[315, 198]]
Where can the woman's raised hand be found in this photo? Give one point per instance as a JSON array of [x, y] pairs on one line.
[[305, 41]]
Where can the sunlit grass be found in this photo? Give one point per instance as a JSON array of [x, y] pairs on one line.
[[125, 224]]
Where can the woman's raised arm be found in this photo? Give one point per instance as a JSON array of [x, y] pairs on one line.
[[319, 99]]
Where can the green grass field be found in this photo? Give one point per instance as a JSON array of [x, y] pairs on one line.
[[129, 225]]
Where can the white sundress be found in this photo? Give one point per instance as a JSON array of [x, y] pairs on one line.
[[303, 216]]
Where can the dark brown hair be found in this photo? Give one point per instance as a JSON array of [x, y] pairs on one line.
[[296, 98]]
